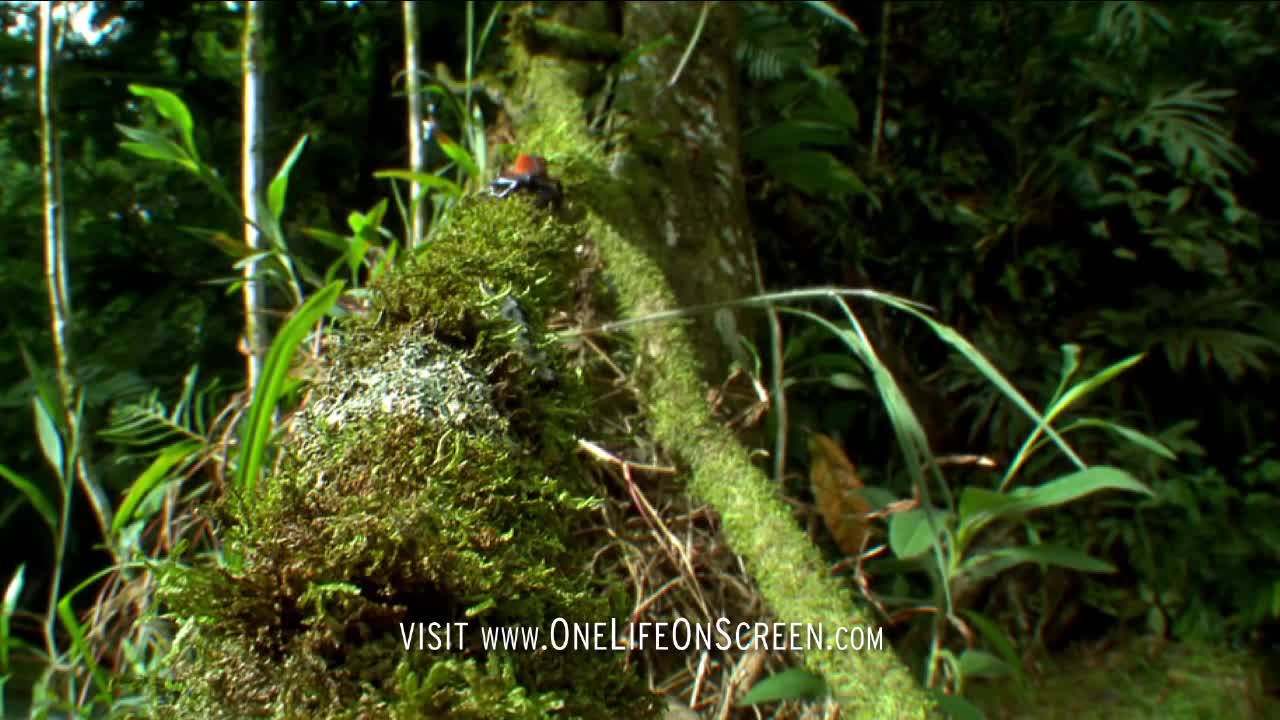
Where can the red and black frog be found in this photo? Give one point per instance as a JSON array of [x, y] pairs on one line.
[[528, 172]]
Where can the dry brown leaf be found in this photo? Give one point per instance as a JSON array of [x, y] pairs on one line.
[[837, 491]]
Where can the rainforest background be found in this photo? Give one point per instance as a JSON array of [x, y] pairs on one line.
[[1068, 185]]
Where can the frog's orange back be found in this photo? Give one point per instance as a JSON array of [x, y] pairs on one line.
[[529, 165]]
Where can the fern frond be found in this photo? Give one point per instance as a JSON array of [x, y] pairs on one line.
[[1219, 330], [1184, 125], [148, 422], [1129, 23], [772, 46]]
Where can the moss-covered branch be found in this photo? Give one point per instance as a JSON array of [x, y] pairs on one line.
[[668, 239]]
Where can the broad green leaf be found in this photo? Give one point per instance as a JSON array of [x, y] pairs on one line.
[[1178, 198], [836, 104], [816, 173], [975, 500], [791, 684], [279, 187], [34, 496], [272, 383], [990, 564], [793, 135], [151, 477], [426, 180], [981, 664], [1077, 485], [171, 106], [50, 437], [980, 507], [910, 535]]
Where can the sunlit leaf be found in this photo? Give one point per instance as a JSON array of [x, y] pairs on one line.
[[279, 187], [171, 107]]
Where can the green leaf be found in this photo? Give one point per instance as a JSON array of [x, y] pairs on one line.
[[814, 173], [272, 383], [8, 606], [879, 497], [1077, 485], [83, 653], [34, 496], [834, 101], [459, 155], [990, 564], [155, 146], [910, 534], [426, 180], [355, 253], [1142, 440], [979, 507], [957, 708], [980, 664], [50, 437], [1072, 396], [331, 239], [793, 135], [151, 477], [232, 247], [366, 225], [1178, 198], [791, 684], [833, 13], [999, 640], [845, 381], [984, 366], [279, 187], [171, 106]]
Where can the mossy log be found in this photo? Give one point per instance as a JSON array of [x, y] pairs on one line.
[[432, 476]]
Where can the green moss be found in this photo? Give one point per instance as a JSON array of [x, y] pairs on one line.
[[510, 246], [430, 478], [545, 36]]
